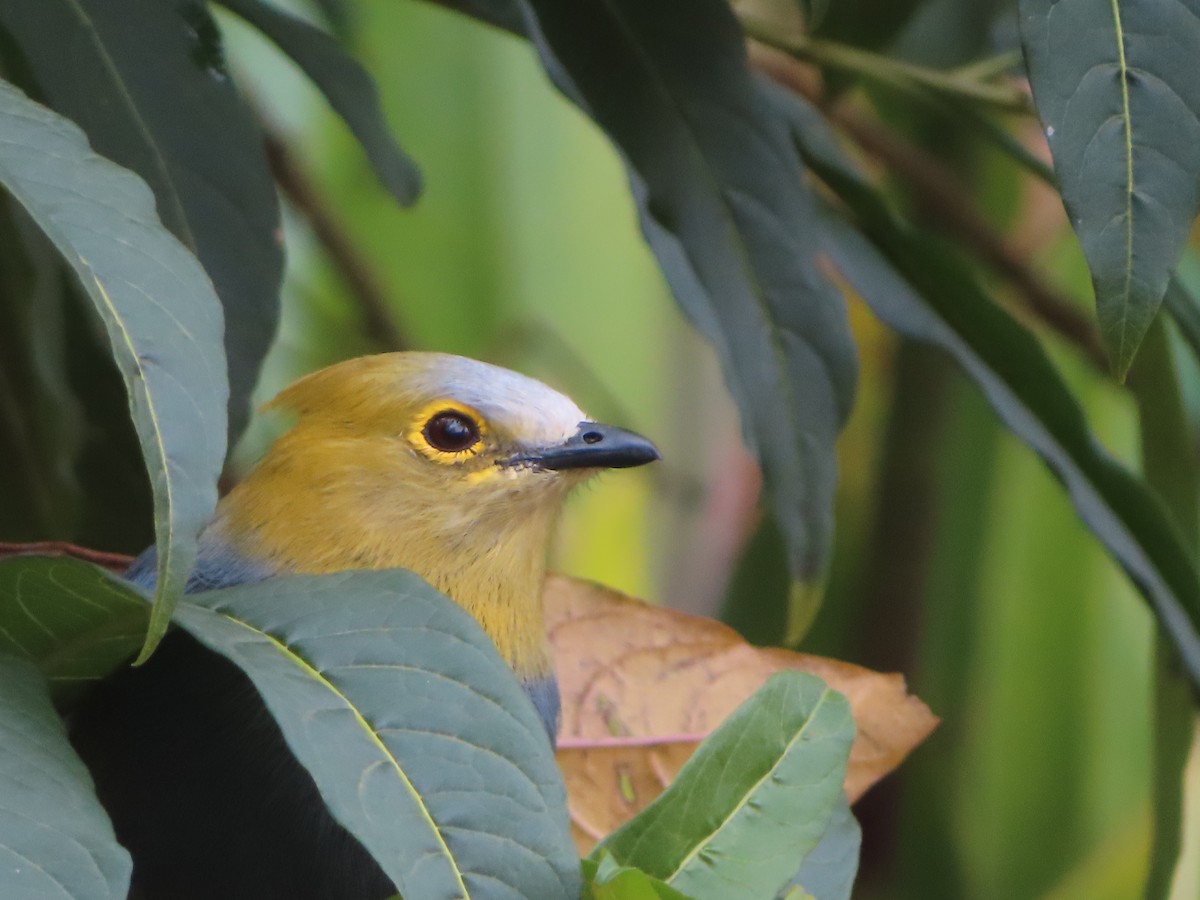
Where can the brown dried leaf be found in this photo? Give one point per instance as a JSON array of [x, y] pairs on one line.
[[642, 686]]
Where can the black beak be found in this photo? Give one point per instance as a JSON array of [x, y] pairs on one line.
[[596, 446]]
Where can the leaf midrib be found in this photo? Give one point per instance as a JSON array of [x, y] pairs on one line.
[[708, 839], [1127, 127]]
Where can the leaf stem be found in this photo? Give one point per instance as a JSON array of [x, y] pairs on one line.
[[947, 205], [363, 285], [887, 70]]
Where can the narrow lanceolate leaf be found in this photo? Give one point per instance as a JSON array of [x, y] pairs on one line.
[[148, 85], [345, 84], [1030, 397], [421, 741], [162, 317], [56, 842], [917, 287], [722, 203], [1117, 89], [74, 621], [752, 802]]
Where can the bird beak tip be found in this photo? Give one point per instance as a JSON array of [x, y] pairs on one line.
[[596, 446]]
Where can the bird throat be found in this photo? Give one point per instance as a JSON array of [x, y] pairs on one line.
[[494, 567]]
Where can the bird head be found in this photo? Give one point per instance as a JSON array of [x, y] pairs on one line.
[[444, 465], [456, 427]]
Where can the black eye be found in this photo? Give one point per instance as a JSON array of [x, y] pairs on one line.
[[451, 432]]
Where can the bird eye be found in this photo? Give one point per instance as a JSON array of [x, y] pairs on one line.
[[451, 432]]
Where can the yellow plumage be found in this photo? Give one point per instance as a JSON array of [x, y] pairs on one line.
[[356, 483], [446, 466]]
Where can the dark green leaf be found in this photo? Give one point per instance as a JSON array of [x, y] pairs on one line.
[[1169, 464], [147, 83], [417, 734], [73, 620], [813, 13], [606, 880], [722, 203], [1116, 88], [938, 302], [917, 287], [752, 604], [162, 317], [753, 800], [40, 431], [868, 24], [828, 871], [507, 15], [345, 84], [56, 842]]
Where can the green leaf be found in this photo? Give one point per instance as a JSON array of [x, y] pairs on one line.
[[813, 13], [723, 205], [917, 287], [73, 620], [56, 842], [753, 800], [421, 741], [828, 871], [1169, 465], [1182, 300], [1116, 88], [162, 317], [607, 880], [936, 301], [40, 431], [867, 24], [148, 84], [345, 84]]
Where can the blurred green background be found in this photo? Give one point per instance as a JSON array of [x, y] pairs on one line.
[[959, 561]]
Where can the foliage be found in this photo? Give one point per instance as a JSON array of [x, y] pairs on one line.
[[887, 149]]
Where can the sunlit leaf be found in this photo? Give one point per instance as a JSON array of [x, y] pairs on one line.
[[754, 799], [56, 842], [147, 83], [643, 685], [402, 711], [1116, 88], [163, 319], [346, 85]]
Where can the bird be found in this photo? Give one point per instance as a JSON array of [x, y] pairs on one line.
[[450, 467]]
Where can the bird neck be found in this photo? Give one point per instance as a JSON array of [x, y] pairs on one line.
[[490, 561]]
